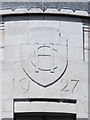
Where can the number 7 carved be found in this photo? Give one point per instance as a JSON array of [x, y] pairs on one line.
[[76, 83]]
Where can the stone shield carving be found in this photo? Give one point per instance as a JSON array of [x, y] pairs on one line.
[[44, 58]]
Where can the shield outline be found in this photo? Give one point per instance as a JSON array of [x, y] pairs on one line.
[[44, 86]]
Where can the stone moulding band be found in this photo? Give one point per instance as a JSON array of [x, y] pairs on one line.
[[76, 8]]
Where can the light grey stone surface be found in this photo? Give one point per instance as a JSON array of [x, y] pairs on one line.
[[19, 45], [22, 39]]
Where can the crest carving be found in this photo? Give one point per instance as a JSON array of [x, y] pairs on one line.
[[45, 61]]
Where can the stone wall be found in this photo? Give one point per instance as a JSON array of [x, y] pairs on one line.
[[62, 71], [20, 38]]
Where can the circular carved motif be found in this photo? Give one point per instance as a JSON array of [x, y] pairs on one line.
[[44, 64], [45, 54]]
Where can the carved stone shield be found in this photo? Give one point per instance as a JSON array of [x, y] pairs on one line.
[[44, 58]]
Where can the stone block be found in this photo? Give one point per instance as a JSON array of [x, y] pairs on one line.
[[45, 23], [4, 12], [35, 10], [86, 52], [7, 115], [78, 12], [7, 86], [66, 11], [51, 11], [12, 54], [44, 35], [16, 33], [1, 54], [0, 105], [71, 27], [20, 10], [8, 105]]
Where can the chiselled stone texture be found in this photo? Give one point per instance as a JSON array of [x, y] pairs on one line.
[[89, 7], [82, 6]]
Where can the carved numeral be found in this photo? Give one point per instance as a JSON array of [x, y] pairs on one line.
[[75, 85], [65, 87], [25, 84]]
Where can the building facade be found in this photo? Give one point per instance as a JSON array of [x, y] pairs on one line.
[[44, 50]]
